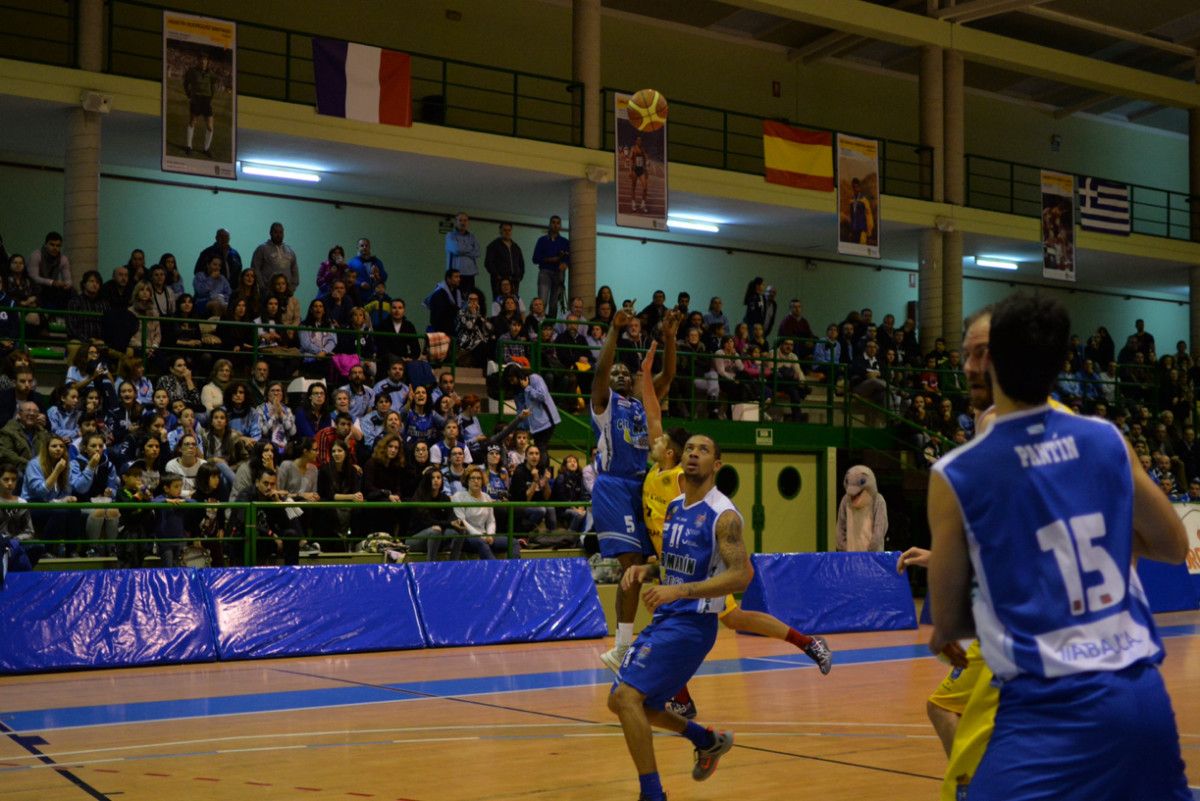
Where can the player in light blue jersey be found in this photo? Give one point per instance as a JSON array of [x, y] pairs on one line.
[[1049, 510], [703, 560], [622, 449]]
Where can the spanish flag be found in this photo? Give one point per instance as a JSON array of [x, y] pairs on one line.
[[796, 157]]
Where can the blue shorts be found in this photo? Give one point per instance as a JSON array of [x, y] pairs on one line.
[[617, 516], [1092, 736], [666, 655]]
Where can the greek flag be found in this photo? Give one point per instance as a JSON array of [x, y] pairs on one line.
[[1104, 206]]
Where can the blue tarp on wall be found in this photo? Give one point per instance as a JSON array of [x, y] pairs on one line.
[[319, 609], [832, 592], [498, 601], [1169, 588], [98, 619]]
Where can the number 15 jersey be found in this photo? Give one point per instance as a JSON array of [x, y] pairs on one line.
[[1047, 505]]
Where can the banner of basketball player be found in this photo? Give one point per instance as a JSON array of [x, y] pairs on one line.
[[641, 142], [858, 196], [199, 95], [1058, 226], [1189, 513]]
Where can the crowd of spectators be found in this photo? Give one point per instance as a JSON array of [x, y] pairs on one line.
[[231, 393]]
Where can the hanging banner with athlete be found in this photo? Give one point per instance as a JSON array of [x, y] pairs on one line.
[[858, 196], [1058, 226], [199, 95], [641, 141]]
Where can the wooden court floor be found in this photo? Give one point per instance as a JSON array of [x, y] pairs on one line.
[[502, 722]]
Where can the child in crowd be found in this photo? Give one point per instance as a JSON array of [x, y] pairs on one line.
[[172, 520], [135, 524]]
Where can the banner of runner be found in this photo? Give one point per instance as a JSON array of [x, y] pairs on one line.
[[199, 96]]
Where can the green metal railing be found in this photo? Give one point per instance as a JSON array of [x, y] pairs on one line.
[[1015, 188], [249, 537], [40, 31], [276, 63]]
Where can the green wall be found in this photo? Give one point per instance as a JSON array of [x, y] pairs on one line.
[[182, 220], [688, 65]]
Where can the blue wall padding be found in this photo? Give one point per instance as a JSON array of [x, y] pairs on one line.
[[318, 609], [830, 592], [1169, 588], [926, 612], [98, 619], [498, 601]]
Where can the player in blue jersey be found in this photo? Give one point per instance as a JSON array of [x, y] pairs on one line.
[[703, 560], [622, 448], [1048, 510]]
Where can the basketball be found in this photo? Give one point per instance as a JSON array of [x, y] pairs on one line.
[[647, 110]]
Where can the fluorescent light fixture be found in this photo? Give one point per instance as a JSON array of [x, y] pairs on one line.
[[675, 222], [285, 173], [994, 263], [704, 218]]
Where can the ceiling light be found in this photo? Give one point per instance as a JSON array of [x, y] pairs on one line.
[[995, 264], [705, 218], [675, 222], [285, 173]]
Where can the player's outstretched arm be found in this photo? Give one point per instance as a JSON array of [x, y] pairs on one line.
[[949, 568], [737, 575], [654, 427], [913, 557], [604, 364], [670, 330], [1158, 533]]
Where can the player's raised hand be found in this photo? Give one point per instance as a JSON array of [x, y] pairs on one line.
[[670, 323], [621, 319], [913, 557], [648, 360], [634, 575]]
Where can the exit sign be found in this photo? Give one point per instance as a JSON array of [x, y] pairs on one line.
[[764, 436]]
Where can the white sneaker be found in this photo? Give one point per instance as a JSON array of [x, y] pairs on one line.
[[612, 659]]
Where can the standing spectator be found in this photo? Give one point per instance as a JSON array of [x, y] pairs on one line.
[[399, 341], [504, 260], [134, 524], [213, 289], [162, 295], [231, 260], [862, 521], [368, 271], [473, 332], [715, 315], [445, 301], [1144, 339], [85, 322], [552, 255], [462, 254], [531, 483], [50, 269], [340, 480], [569, 488], [274, 257], [530, 392], [655, 310], [760, 304], [383, 480], [796, 325], [334, 268]]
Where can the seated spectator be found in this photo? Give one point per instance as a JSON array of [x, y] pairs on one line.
[[262, 456], [98, 481], [118, 290], [63, 416], [86, 308], [289, 307], [212, 288], [152, 453], [276, 531], [454, 471], [260, 382], [399, 340], [317, 347], [512, 345], [500, 300], [247, 289], [125, 421], [355, 344], [235, 332], [534, 320], [276, 422], [140, 330], [435, 528], [479, 522], [421, 423], [186, 463], [866, 376], [790, 379], [21, 290], [51, 476], [394, 385], [362, 397], [341, 431], [161, 406], [222, 446], [1068, 388], [532, 483], [313, 413], [271, 333], [341, 480], [755, 374], [89, 370], [517, 445], [439, 452], [632, 346], [716, 315], [728, 366], [243, 416], [369, 427], [212, 394], [568, 488], [184, 332], [496, 474], [473, 333], [187, 425], [179, 383], [299, 478]]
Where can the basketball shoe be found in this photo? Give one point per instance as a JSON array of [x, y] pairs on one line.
[[613, 658], [706, 759], [818, 651]]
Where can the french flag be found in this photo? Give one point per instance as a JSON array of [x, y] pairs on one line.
[[365, 83]]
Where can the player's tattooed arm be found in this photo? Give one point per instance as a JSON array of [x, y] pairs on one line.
[[735, 578]]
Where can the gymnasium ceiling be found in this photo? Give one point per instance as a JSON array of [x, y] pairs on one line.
[[1157, 36]]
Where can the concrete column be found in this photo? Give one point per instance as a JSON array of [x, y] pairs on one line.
[[932, 134], [585, 68], [930, 278], [585, 65], [955, 193], [1194, 192], [81, 163], [583, 243]]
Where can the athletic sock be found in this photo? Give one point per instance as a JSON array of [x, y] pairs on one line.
[[701, 737], [799, 640], [651, 787], [624, 635], [207, 139], [191, 132]]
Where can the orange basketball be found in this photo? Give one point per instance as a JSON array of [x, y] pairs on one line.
[[647, 110]]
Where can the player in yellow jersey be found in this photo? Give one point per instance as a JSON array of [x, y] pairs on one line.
[[963, 707], [659, 489]]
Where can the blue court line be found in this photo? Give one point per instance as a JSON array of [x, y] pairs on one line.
[[41, 720]]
